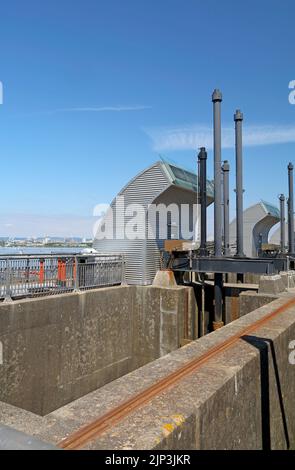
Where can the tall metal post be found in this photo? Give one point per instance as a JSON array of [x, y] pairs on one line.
[[225, 169], [291, 209], [217, 98], [202, 159], [218, 279], [238, 118], [282, 222]]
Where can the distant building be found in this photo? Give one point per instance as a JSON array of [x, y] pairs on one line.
[[258, 220], [161, 183]]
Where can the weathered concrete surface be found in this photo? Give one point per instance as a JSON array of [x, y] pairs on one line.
[[244, 298], [249, 301], [242, 398], [271, 284], [58, 348], [232, 300], [165, 278], [288, 279]]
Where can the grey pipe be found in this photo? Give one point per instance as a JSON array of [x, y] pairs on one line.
[[225, 169], [216, 99], [218, 286], [218, 279], [282, 222], [202, 159], [238, 118], [291, 209]]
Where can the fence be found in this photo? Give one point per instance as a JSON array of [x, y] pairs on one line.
[[28, 276]]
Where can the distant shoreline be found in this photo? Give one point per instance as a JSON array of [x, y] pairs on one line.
[[41, 249], [49, 245]]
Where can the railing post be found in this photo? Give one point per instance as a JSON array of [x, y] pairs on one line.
[[76, 274], [123, 274], [8, 292], [41, 271]]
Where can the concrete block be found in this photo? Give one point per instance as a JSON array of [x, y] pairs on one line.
[[292, 273], [288, 279], [165, 278], [271, 284], [249, 301]]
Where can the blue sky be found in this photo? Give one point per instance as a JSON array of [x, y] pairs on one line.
[[94, 89]]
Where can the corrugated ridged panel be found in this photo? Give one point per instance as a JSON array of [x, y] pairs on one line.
[[142, 256]]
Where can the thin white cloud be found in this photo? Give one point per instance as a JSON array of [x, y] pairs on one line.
[[89, 109], [192, 137], [100, 109]]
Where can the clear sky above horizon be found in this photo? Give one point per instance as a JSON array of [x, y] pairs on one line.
[[95, 90]]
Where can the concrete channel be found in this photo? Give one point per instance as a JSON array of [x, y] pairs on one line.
[[123, 368]]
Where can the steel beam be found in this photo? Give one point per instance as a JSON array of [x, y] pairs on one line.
[[230, 265]]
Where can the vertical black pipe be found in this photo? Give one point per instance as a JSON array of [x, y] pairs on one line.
[[216, 99], [282, 222], [218, 285], [291, 209], [202, 158], [238, 118], [225, 169], [218, 279]]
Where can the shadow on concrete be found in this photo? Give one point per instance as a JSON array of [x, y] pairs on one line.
[[264, 345]]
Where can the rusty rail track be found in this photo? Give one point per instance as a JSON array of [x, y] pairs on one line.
[[106, 421]]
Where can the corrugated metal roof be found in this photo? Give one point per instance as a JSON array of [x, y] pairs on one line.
[[186, 179], [270, 209]]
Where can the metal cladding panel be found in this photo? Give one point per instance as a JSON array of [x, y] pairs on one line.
[[258, 219], [141, 256], [276, 235], [154, 185]]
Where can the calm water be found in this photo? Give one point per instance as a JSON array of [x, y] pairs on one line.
[[29, 250]]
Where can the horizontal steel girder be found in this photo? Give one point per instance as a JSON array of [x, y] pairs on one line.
[[230, 265]]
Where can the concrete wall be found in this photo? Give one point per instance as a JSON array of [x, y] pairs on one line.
[[242, 398], [250, 301], [58, 348]]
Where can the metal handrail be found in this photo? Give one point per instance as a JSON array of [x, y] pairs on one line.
[[34, 275]]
